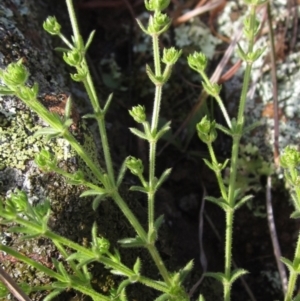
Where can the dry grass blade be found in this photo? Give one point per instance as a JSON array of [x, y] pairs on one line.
[[274, 237], [197, 11], [12, 286]]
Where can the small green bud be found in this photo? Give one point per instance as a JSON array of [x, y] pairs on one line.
[[290, 158], [28, 94], [171, 55], [19, 200], [15, 75], [206, 130], [156, 5], [158, 23], [101, 246], [45, 160], [52, 26], [138, 113], [73, 57], [197, 61], [135, 165]]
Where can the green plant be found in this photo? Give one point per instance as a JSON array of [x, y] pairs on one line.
[[231, 198], [32, 221]]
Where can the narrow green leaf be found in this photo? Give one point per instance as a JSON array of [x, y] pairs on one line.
[[163, 177], [83, 263], [21, 229], [121, 173], [201, 298], [208, 164], [46, 131], [60, 285], [218, 276], [61, 49], [163, 297], [63, 271], [225, 164], [138, 133], [295, 215], [288, 264], [132, 242], [225, 130], [163, 130], [251, 127], [220, 202], [118, 273], [158, 222], [87, 116], [107, 103], [243, 201], [186, 270], [137, 266], [138, 188], [97, 200], [77, 256], [89, 40], [53, 294], [6, 91], [93, 192], [237, 274]]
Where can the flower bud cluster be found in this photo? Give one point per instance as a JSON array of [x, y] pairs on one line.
[[206, 130], [156, 5], [290, 158], [52, 26], [135, 166], [138, 113], [45, 160]]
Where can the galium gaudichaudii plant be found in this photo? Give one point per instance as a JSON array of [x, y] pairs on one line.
[[32, 221]]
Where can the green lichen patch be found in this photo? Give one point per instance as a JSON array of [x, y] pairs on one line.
[[18, 144]]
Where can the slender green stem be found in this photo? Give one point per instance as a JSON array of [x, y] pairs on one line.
[[106, 150], [219, 101], [160, 264], [89, 86], [66, 41], [151, 192], [217, 172], [65, 254], [293, 275], [82, 153], [228, 246], [90, 89], [156, 55], [233, 169], [73, 20], [129, 215], [154, 124]]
